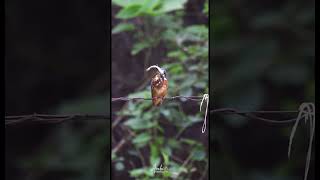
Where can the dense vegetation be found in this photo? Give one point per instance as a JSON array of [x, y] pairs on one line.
[[261, 58], [170, 135]]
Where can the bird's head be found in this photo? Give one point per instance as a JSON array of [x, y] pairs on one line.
[[154, 70]]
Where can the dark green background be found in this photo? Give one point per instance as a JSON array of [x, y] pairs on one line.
[[261, 58], [56, 62]]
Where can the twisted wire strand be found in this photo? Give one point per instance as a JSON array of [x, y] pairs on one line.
[[49, 118], [254, 114], [191, 98]]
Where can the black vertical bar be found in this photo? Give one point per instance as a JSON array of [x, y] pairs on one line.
[[209, 91], [109, 51]]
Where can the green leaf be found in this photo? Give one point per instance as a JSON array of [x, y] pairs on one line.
[[180, 55], [124, 3], [173, 143], [137, 172], [149, 6], [137, 47], [113, 156], [154, 158], [198, 155], [189, 141], [169, 34], [142, 138], [206, 8], [160, 129], [143, 94], [122, 27], [171, 5], [138, 124], [194, 33], [129, 12], [165, 157]]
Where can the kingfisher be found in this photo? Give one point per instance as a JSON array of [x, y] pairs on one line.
[[159, 84]]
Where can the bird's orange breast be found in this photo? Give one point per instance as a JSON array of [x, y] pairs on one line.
[[159, 89]]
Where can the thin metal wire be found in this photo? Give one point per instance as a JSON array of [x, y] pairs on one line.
[[191, 98], [48, 118], [253, 114]]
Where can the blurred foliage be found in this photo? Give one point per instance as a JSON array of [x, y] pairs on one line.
[[75, 149], [159, 132], [262, 57], [56, 62]]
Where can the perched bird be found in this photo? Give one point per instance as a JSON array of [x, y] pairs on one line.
[[159, 84]]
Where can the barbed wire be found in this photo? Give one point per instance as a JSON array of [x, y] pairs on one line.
[[49, 118], [306, 111], [191, 98], [254, 114]]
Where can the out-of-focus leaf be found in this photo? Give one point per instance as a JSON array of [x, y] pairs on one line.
[[129, 12], [138, 124], [165, 157], [142, 94], [149, 7], [195, 33], [173, 143], [122, 27], [198, 155], [175, 69], [138, 8], [180, 55], [113, 156], [138, 47], [137, 172], [154, 158], [206, 8], [189, 141], [124, 3], [171, 5], [119, 166], [142, 139]]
